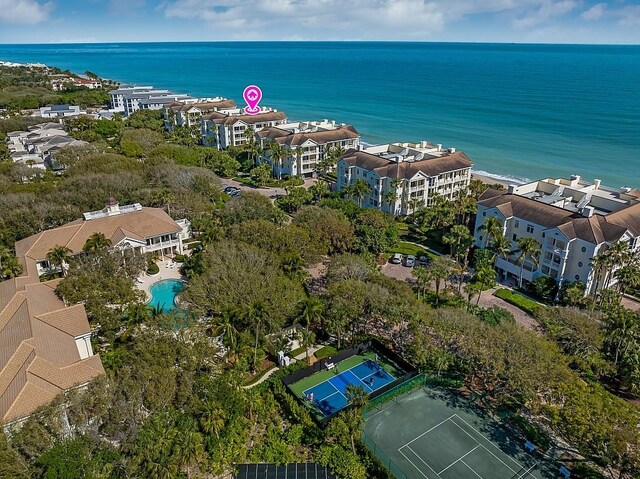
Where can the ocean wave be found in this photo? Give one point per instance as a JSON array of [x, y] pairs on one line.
[[507, 178]]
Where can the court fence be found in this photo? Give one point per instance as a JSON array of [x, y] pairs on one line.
[[384, 459], [408, 385]]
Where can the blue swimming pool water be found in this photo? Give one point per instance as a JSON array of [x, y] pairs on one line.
[[163, 294]]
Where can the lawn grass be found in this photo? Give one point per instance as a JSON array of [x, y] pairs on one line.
[[325, 352], [527, 305], [405, 248]]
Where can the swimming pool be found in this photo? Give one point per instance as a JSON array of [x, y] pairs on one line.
[[163, 294]]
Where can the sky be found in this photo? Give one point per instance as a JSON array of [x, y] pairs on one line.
[[517, 21]]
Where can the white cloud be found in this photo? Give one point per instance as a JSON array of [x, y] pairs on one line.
[[125, 6], [594, 13], [24, 12], [545, 12], [629, 16], [357, 19]]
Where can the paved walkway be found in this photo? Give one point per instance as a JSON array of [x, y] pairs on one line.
[[300, 357], [487, 300], [144, 281]]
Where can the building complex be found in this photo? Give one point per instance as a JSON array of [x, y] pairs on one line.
[[36, 146], [571, 219], [181, 114], [46, 345], [305, 145], [404, 177], [222, 129]]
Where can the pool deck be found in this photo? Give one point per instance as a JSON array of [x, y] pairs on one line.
[[144, 281]]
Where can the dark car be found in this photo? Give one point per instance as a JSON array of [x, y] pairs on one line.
[[423, 261]]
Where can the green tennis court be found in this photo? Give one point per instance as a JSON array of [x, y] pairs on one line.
[[429, 434]]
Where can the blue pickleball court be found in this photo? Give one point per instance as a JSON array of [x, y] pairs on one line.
[[330, 395]]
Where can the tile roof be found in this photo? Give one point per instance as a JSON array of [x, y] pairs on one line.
[[71, 320], [321, 136], [385, 168], [596, 229], [142, 224], [205, 106], [250, 119]]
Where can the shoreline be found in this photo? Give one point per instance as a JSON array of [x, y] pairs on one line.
[[486, 177]]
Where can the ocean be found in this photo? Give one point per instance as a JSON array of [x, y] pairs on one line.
[[518, 111]]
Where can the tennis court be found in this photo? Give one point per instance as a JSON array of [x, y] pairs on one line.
[[430, 435], [326, 390]]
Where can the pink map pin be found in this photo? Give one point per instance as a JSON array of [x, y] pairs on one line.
[[252, 95]]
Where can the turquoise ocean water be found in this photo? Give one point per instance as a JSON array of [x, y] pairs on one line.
[[522, 111]]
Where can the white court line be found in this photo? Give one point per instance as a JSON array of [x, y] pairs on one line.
[[417, 468], [423, 461], [512, 459], [471, 469], [427, 432], [505, 465], [526, 472], [459, 459], [328, 395]]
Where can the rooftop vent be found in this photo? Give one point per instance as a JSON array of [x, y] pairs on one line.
[[625, 189], [452, 150]]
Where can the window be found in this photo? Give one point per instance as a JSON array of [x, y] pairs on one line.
[[584, 249], [516, 224], [577, 277], [545, 269], [480, 237], [529, 228], [579, 264], [515, 237], [484, 213]]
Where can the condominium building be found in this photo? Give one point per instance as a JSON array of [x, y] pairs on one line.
[[141, 229], [189, 114], [572, 220], [36, 146], [127, 100], [226, 128], [59, 111], [404, 177], [305, 144]]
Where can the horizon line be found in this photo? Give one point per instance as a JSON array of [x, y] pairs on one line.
[[322, 41]]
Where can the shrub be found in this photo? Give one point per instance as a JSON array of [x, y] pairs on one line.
[[153, 269], [495, 315], [179, 258], [525, 304], [326, 352]]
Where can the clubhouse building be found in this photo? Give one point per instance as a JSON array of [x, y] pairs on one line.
[[45, 344]]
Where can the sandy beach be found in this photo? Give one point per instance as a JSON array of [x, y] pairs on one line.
[[489, 180]]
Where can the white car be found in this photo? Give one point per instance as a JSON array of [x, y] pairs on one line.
[[396, 258]]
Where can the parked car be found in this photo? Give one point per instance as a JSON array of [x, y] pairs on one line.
[[396, 258], [234, 193], [423, 261], [410, 261], [230, 189]]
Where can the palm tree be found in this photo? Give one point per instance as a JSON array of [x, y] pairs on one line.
[[358, 398], [310, 311], [58, 256], [529, 248], [138, 313], [251, 145], [600, 264], [390, 197], [212, 418], [492, 227], [628, 276], [439, 270], [299, 151], [277, 153], [96, 242], [256, 316], [360, 189], [622, 330], [225, 327], [189, 449], [320, 189], [308, 340], [501, 247]]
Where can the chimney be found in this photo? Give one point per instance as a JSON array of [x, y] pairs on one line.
[[587, 211], [452, 150], [112, 207], [511, 189], [596, 183], [439, 146]]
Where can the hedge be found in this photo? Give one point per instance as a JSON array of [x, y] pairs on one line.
[[153, 269], [525, 304]]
